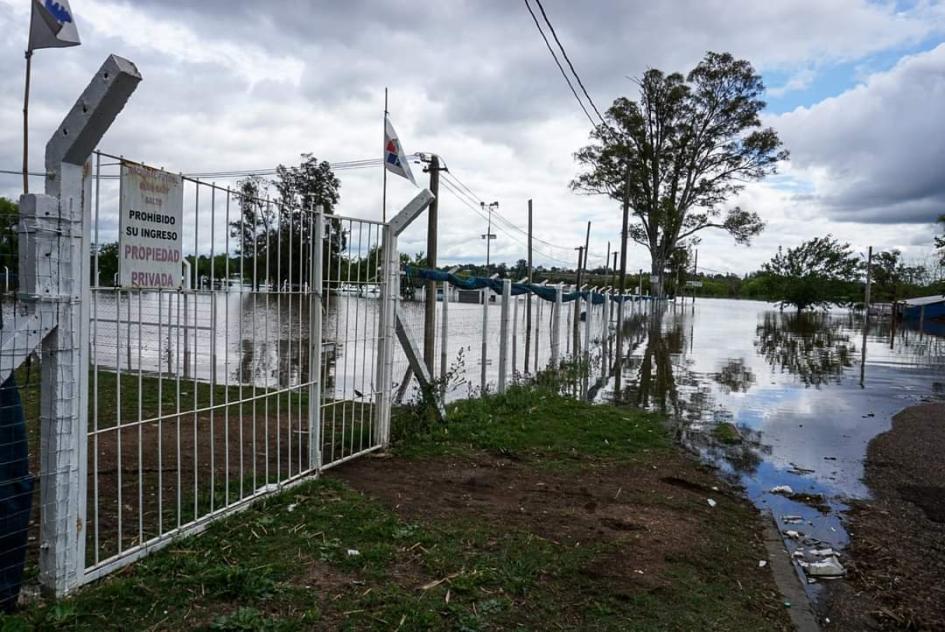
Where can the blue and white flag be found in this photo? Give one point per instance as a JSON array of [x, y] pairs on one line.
[[52, 25], [395, 160]]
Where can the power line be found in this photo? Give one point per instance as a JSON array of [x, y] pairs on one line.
[[558, 63], [570, 65], [459, 195], [500, 219]]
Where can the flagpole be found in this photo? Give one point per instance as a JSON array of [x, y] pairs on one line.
[[384, 163], [26, 108]]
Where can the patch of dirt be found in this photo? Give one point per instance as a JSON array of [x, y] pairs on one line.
[[656, 510], [897, 548]]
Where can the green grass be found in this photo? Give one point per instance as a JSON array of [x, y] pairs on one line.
[[288, 562], [535, 424], [726, 433]]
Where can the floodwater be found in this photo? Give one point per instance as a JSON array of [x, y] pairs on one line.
[[806, 392]]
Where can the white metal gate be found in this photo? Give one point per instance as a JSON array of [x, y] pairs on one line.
[[163, 410]]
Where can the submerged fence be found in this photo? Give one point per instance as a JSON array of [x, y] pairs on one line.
[[259, 348], [481, 348]]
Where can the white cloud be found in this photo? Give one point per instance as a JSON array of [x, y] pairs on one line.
[[231, 84]]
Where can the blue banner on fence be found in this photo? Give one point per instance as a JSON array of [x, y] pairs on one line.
[[545, 292]]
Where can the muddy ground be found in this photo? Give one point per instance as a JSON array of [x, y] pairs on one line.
[[657, 513], [897, 539]]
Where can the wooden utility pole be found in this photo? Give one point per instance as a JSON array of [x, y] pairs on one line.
[[613, 280], [582, 263], [429, 313], [624, 230], [606, 262], [528, 295]]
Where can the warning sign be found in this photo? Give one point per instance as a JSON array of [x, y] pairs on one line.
[[150, 243]]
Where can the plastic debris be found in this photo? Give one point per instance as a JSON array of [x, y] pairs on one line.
[[292, 507], [353, 552], [828, 552], [794, 535], [826, 569], [762, 563], [792, 519], [782, 489], [711, 502]]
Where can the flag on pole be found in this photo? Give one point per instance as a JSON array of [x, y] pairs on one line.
[[52, 25], [394, 159]]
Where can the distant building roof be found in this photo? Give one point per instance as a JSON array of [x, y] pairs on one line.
[[924, 300]]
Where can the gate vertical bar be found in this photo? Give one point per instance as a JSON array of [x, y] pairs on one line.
[[315, 345]]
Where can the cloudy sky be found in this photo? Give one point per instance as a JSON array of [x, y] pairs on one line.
[[855, 88]]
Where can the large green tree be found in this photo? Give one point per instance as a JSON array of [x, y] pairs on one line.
[[675, 158], [818, 273], [274, 234]]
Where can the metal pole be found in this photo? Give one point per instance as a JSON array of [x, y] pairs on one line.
[[528, 296], [384, 165], [485, 299], [515, 302], [504, 333], [26, 118], [315, 343], [429, 313]]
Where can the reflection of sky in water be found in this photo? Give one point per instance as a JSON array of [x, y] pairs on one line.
[[792, 387]]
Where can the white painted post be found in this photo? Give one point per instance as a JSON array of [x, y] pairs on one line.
[[569, 327], [604, 332], [387, 331], [315, 343], [484, 347], [587, 328], [444, 338], [504, 333], [514, 335], [556, 328], [55, 238], [390, 295]]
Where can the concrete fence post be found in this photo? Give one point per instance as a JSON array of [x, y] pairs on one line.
[[504, 333], [55, 258], [444, 338], [390, 290]]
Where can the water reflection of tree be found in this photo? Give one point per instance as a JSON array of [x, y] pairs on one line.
[[810, 345], [661, 378], [655, 384], [735, 377]]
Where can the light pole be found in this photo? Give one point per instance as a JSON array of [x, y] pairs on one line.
[[485, 296]]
